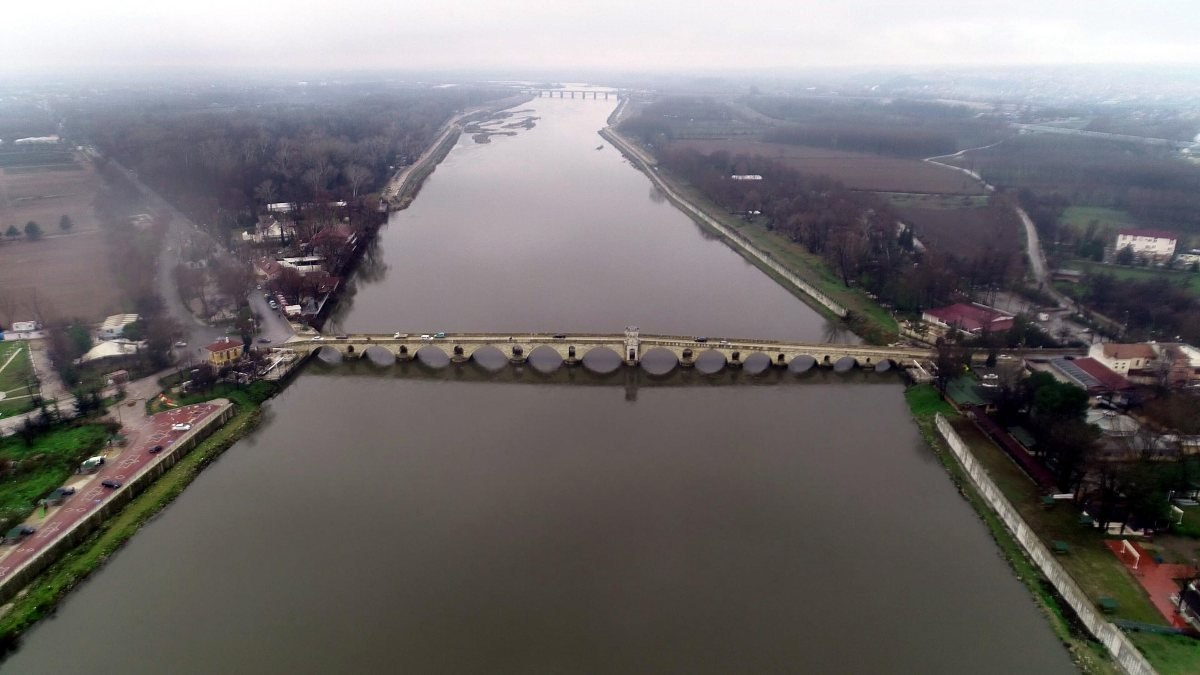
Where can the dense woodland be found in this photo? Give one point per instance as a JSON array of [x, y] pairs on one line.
[[856, 233], [1052, 172], [901, 128], [220, 156]]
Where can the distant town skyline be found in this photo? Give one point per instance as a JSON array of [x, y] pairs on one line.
[[660, 35]]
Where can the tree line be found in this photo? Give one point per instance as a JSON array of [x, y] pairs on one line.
[[219, 161]]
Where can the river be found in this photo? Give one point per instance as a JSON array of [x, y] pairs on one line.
[[412, 519]]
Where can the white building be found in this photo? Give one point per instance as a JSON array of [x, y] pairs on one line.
[[1154, 244], [1122, 358]]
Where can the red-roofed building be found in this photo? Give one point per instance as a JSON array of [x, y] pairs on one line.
[[224, 351], [1152, 244], [972, 318]]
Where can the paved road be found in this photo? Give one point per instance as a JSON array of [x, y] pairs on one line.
[[122, 465], [1033, 246]]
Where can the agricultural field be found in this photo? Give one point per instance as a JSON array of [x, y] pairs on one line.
[[857, 170], [69, 276], [45, 196], [965, 225], [71, 271]]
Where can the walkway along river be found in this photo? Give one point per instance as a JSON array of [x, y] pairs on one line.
[[424, 520]]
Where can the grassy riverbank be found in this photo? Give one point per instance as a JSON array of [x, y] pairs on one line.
[[41, 596], [416, 178], [924, 402]]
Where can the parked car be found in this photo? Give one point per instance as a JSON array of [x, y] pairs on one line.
[[181, 344], [156, 449], [66, 491], [181, 427], [264, 340], [110, 483]]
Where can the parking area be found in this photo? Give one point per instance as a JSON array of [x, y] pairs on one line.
[[91, 491]]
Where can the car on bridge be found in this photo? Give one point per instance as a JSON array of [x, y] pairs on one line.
[[397, 336], [560, 336], [700, 339], [110, 483], [439, 334]]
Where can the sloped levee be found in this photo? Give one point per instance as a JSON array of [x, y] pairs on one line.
[[1123, 651]]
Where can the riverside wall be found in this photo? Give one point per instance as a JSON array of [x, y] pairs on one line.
[[72, 536], [1122, 649], [736, 240]]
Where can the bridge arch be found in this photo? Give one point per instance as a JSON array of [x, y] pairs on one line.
[[432, 356], [802, 364], [488, 357], [757, 363], [329, 354], [845, 364], [659, 360], [602, 360], [545, 359], [380, 356], [711, 361]]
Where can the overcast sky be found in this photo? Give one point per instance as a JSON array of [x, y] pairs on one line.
[[649, 35]]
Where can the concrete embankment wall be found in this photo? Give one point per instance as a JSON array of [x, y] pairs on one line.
[[731, 236], [75, 534], [1122, 649]]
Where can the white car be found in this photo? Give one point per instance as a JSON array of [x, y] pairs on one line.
[[426, 336], [180, 345], [318, 338], [397, 336], [181, 427]]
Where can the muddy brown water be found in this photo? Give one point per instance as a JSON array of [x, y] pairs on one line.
[[412, 519]]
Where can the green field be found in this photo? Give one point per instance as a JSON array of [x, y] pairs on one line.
[[34, 470], [15, 378], [1190, 280], [1078, 217]]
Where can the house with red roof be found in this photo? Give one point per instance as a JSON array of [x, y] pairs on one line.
[[969, 317], [224, 352]]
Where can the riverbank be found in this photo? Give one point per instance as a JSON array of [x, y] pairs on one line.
[[44, 592], [925, 404], [802, 274]]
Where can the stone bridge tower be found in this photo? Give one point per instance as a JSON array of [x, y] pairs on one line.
[[632, 346]]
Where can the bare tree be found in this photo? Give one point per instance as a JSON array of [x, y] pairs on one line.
[[357, 175], [317, 176], [266, 192]]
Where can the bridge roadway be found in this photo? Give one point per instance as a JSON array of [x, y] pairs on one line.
[[630, 346]]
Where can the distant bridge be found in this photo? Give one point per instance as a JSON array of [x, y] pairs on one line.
[[630, 346], [572, 93]]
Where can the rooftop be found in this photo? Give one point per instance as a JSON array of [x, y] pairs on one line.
[[972, 317], [1147, 232], [1139, 350], [224, 344]]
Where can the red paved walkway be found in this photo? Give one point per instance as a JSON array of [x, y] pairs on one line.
[[1157, 579], [122, 465]]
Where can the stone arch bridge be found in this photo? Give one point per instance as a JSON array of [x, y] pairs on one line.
[[630, 346]]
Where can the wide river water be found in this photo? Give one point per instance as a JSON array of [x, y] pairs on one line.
[[410, 519]]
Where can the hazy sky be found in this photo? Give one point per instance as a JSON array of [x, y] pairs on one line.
[[139, 35]]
